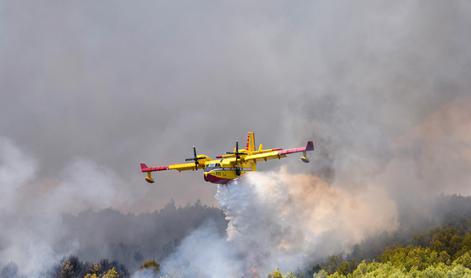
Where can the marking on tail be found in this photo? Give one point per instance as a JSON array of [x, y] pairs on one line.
[[250, 147]]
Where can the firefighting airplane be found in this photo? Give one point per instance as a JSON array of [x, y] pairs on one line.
[[229, 166]]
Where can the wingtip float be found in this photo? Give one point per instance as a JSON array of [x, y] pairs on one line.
[[231, 165]]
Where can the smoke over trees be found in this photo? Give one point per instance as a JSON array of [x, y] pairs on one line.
[[442, 237], [123, 241], [442, 251], [439, 244], [90, 88], [130, 239]]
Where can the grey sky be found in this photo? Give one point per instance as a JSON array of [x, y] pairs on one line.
[[119, 82]]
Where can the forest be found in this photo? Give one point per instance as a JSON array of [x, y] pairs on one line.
[[437, 245], [434, 246], [114, 244]]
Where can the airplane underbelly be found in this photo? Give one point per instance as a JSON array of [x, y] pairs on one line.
[[223, 176]]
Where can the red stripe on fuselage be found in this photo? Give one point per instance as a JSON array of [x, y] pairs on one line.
[[214, 179]]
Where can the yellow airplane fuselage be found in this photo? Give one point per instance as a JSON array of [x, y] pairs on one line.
[[215, 171]]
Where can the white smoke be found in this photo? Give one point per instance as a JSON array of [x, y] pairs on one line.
[[31, 210], [278, 219], [15, 170], [204, 253]]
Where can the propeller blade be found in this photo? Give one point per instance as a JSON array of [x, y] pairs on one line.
[[191, 159], [237, 150], [195, 158]]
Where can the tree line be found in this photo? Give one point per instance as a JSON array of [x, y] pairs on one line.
[[438, 245]]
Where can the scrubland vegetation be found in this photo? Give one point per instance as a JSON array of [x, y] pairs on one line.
[[437, 246]]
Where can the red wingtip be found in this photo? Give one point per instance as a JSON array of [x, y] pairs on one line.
[[144, 167]]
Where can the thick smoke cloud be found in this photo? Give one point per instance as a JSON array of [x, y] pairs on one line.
[[32, 211], [76, 214], [119, 82], [278, 219], [383, 87]]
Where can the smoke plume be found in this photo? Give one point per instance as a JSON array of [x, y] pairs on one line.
[[286, 220], [382, 86], [32, 210], [79, 212], [279, 219]]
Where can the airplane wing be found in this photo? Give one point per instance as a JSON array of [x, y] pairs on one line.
[[280, 153], [179, 167]]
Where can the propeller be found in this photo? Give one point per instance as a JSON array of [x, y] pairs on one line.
[[195, 158], [237, 155]]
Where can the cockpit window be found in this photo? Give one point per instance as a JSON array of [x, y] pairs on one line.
[[212, 166]]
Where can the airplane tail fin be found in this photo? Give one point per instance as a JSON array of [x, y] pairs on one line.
[[250, 142]]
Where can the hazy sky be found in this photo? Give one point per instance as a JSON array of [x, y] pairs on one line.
[[119, 82]]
